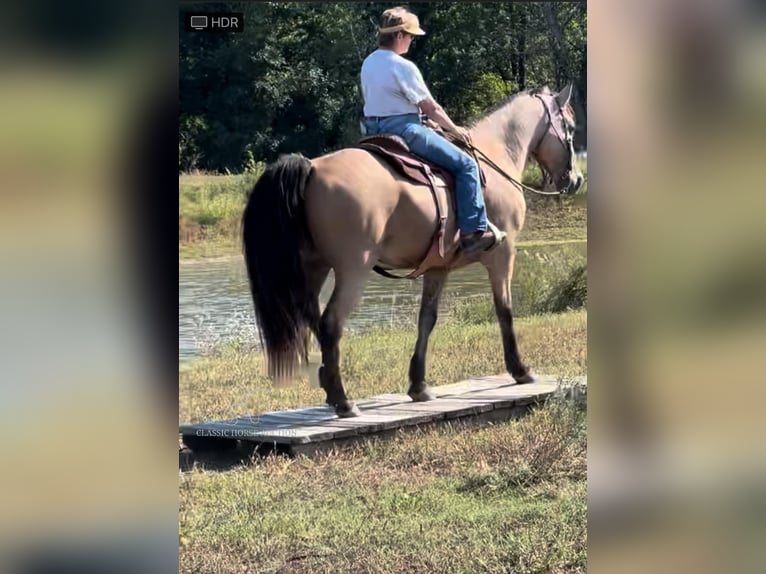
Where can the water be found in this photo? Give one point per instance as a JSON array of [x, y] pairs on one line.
[[214, 303]]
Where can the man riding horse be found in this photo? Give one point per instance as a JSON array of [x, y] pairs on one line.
[[394, 93], [351, 212]]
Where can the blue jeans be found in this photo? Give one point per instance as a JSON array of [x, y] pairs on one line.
[[425, 142]]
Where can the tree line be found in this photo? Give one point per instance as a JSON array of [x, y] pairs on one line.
[[290, 81]]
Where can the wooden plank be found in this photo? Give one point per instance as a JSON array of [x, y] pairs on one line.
[[249, 423], [381, 401], [391, 398], [447, 407], [221, 430], [301, 435], [496, 401], [465, 386], [502, 378], [365, 423], [371, 422], [283, 419], [493, 398], [402, 415], [317, 412], [518, 395], [382, 419]]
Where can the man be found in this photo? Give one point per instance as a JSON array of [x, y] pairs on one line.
[[394, 93]]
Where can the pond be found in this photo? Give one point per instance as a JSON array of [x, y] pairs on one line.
[[214, 304]]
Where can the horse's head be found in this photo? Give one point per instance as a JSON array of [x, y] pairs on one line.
[[554, 151]]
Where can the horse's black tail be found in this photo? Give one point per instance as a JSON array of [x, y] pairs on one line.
[[274, 231]]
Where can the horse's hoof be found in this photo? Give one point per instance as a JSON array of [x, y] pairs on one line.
[[422, 396], [347, 410], [524, 379]]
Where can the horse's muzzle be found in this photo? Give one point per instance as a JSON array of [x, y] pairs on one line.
[[574, 184]]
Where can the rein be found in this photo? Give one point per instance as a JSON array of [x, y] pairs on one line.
[[510, 178], [470, 146]]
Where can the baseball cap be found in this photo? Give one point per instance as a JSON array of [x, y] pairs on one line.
[[399, 19]]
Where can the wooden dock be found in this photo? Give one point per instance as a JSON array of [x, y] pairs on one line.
[[315, 429]]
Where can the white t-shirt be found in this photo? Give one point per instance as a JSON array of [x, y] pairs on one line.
[[391, 85]]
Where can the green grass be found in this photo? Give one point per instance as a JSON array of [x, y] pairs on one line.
[[389, 508], [231, 381], [209, 248], [554, 219], [509, 497], [210, 208]]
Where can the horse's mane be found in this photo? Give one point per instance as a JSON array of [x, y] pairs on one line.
[[544, 90], [512, 145]]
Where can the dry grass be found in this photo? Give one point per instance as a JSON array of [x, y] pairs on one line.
[[210, 207], [428, 501], [509, 497], [231, 382]]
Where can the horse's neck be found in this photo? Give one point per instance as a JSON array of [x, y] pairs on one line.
[[508, 134]]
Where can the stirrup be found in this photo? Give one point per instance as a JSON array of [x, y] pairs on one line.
[[484, 244], [499, 235]]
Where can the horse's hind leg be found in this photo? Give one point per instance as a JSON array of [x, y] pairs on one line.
[[500, 271], [433, 284], [316, 275], [348, 289]]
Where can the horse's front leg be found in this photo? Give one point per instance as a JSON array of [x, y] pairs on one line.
[[500, 268], [433, 284]]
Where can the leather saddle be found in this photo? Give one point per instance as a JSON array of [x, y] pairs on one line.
[[396, 153]]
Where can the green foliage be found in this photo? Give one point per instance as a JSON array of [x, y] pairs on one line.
[[209, 223], [485, 92], [545, 281], [290, 81], [191, 129], [548, 280], [572, 293], [215, 203]]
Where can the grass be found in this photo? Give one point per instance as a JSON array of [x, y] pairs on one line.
[[231, 381], [210, 208], [427, 501], [509, 497]]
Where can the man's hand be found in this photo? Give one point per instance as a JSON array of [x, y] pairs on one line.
[[461, 134], [434, 126], [437, 114]]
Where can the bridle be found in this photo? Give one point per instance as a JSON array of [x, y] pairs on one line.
[[546, 175], [562, 140]]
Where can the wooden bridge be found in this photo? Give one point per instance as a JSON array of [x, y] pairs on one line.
[[316, 429]]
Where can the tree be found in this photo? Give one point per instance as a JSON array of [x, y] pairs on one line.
[[566, 70], [290, 81]]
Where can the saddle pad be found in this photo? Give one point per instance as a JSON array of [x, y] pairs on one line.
[[397, 152], [407, 165], [388, 141]]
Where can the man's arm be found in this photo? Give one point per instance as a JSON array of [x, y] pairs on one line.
[[435, 112], [415, 90]]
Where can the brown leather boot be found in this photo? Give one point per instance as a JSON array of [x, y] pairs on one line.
[[478, 241], [482, 240]]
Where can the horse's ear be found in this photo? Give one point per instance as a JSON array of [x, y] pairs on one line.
[[563, 96]]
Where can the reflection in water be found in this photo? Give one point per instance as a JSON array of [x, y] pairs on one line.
[[214, 304]]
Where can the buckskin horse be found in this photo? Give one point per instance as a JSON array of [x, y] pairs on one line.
[[354, 210]]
